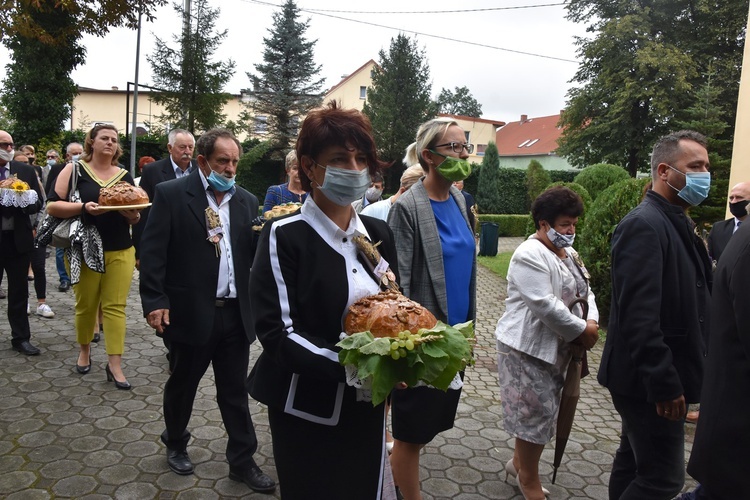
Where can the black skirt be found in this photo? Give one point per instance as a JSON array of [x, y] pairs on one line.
[[344, 461], [419, 414]]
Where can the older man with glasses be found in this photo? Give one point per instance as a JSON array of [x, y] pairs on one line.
[[16, 245]]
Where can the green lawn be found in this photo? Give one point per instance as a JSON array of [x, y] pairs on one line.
[[497, 264]]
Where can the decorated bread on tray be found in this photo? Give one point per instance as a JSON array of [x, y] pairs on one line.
[[386, 315], [122, 194], [279, 210], [14, 183]]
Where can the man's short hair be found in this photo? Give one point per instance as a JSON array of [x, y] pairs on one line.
[[207, 141], [667, 147], [175, 132], [67, 148], [52, 151]]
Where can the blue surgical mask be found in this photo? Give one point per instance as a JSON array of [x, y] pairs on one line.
[[343, 186], [560, 240], [219, 182], [51, 162], [75, 157], [697, 185]]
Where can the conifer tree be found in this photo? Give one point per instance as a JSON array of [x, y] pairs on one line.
[[537, 180], [192, 84], [488, 195], [399, 100], [286, 86]]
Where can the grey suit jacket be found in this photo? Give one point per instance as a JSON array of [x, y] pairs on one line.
[[420, 256]]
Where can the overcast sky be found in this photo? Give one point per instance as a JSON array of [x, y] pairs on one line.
[[506, 83]]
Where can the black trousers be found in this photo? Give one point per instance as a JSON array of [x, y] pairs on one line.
[[38, 256], [228, 350], [16, 267]]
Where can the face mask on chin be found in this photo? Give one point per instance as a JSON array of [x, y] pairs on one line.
[[343, 186], [697, 186], [219, 182]]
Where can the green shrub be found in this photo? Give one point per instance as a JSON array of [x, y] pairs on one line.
[[512, 191], [537, 180], [256, 171], [563, 175], [471, 183], [593, 241], [599, 177], [508, 224]]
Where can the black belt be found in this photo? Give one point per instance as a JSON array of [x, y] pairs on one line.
[[226, 302]]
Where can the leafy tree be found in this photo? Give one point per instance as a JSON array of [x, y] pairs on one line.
[[398, 101], [537, 180], [192, 95], [94, 18], [286, 86], [487, 195], [641, 68], [706, 116], [599, 177], [460, 102], [38, 89]]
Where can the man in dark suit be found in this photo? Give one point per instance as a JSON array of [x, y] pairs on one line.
[[16, 245], [719, 458], [196, 254], [180, 144], [652, 362], [723, 230], [73, 152]]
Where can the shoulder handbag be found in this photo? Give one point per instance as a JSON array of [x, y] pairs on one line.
[[61, 234]]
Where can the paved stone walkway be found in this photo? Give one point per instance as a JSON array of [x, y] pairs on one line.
[[63, 435]]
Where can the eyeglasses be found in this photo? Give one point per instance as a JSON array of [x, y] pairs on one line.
[[457, 147], [52, 157], [6, 145]]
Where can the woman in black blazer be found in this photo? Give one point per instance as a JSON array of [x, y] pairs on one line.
[[328, 441]]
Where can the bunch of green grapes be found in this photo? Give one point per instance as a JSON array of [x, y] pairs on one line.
[[407, 341]]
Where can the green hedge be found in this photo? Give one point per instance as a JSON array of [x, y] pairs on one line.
[[511, 184], [508, 224]]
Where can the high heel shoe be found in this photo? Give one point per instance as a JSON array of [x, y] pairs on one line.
[[83, 370], [510, 470], [125, 386]]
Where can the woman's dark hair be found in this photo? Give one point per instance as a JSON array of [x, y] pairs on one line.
[[334, 126], [555, 202]]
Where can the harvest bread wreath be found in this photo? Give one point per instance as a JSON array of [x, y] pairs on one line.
[[122, 194]]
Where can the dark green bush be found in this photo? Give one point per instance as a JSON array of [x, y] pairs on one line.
[[563, 175], [471, 183], [512, 192], [508, 224], [593, 240], [537, 180], [599, 177], [256, 171]]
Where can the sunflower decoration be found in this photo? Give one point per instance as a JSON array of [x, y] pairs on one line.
[[16, 193]]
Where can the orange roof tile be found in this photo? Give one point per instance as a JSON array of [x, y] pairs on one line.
[[529, 136]]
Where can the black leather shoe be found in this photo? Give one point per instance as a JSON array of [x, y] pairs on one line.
[[64, 286], [26, 348], [179, 462], [97, 338], [254, 478]]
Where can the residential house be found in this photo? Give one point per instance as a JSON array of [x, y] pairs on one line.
[[531, 139], [479, 132], [351, 91]]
